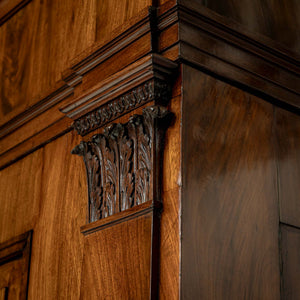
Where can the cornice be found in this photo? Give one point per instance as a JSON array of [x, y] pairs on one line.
[[147, 80], [222, 47]]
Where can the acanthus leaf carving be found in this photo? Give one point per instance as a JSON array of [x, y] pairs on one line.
[[120, 163]]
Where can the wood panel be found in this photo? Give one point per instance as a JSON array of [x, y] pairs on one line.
[[288, 144], [44, 32], [57, 248], [20, 190], [113, 14], [290, 244], [229, 198], [117, 261], [26, 55]]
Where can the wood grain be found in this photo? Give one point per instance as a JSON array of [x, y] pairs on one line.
[[169, 231], [223, 47], [3, 293], [117, 263], [276, 19], [29, 74], [9, 7], [288, 144], [290, 244], [26, 59], [18, 216], [229, 208], [14, 267], [30, 129], [57, 249], [111, 14], [169, 246]]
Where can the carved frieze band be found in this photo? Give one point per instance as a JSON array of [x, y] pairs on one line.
[[123, 164], [138, 96]]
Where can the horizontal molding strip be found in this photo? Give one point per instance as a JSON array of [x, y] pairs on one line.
[[123, 216], [43, 105]]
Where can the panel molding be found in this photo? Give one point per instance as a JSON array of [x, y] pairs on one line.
[[152, 207], [10, 7], [13, 250]]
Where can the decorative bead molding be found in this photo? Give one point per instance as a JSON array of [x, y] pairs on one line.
[[136, 97], [124, 163]]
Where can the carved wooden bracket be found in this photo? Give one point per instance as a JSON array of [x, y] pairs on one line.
[[124, 163]]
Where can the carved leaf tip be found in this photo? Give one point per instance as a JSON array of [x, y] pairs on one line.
[[159, 113], [156, 111], [79, 149]]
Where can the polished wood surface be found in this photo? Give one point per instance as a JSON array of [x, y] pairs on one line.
[[222, 47], [239, 55], [14, 267], [17, 217], [26, 55], [288, 145], [3, 293], [229, 194], [9, 7], [51, 184], [276, 19], [57, 248], [171, 184], [116, 261], [290, 244]]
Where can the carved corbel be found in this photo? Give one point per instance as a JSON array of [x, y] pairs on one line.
[[124, 163]]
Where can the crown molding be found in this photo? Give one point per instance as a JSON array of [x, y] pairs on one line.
[[146, 80], [220, 46]]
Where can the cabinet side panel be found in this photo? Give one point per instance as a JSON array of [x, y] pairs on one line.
[[290, 262], [288, 143], [229, 198]]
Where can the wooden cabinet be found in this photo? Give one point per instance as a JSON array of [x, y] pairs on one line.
[[150, 149]]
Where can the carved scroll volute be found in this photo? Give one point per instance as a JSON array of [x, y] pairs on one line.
[[124, 163]]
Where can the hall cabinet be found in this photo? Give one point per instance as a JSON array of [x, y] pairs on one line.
[[149, 149]]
